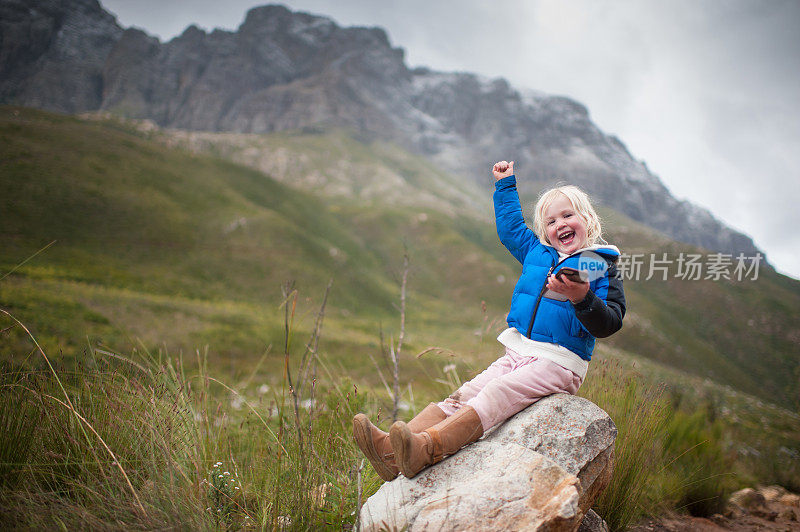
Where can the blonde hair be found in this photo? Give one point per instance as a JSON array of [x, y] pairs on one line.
[[582, 205]]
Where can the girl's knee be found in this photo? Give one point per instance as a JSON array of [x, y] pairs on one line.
[[576, 384]]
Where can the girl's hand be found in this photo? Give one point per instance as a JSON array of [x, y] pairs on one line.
[[575, 291], [502, 169]]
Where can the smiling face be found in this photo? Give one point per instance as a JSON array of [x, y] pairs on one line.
[[565, 229]]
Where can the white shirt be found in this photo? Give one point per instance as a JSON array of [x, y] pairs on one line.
[[514, 340]]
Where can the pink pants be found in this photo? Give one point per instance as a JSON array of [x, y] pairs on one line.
[[510, 384]]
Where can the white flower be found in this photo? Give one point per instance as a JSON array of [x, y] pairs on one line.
[[226, 473], [237, 402]]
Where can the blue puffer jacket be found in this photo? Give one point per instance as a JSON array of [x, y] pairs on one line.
[[537, 315]]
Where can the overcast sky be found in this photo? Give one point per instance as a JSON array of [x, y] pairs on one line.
[[707, 93]]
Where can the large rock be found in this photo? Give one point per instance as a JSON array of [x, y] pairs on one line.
[[541, 470]]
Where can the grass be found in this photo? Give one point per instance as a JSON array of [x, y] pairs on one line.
[[147, 440], [703, 470], [152, 257], [153, 441], [685, 443], [669, 455], [640, 413]]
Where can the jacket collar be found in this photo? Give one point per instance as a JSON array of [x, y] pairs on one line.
[[607, 251]]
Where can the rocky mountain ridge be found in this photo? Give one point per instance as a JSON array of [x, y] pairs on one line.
[[283, 70]]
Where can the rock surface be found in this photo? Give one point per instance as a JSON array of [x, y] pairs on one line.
[[593, 523], [541, 470], [750, 501], [284, 70], [52, 53], [764, 509]]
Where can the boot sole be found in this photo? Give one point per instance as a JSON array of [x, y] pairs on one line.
[[400, 438], [363, 438]]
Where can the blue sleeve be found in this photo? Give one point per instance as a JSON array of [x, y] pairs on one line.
[[514, 234]]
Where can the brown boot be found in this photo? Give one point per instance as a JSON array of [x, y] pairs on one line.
[[415, 452], [375, 445]]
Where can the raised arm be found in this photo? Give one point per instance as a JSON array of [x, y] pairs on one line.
[[514, 234]]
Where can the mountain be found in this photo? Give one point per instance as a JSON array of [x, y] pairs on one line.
[[53, 53], [287, 71]]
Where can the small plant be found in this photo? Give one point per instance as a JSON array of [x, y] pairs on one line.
[[224, 494], [701, 465]]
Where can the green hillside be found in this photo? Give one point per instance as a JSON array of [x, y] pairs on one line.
[[181, 249]]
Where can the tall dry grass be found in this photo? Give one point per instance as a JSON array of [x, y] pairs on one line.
[[640, 412], [152, 441]]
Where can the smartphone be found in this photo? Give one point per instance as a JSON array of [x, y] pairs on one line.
[[572, 274]]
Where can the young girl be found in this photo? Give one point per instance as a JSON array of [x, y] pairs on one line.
[[568, 295]]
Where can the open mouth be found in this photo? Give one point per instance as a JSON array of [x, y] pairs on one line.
[[566, 237]]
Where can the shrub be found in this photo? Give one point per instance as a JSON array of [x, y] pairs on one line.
[[701, 465]]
